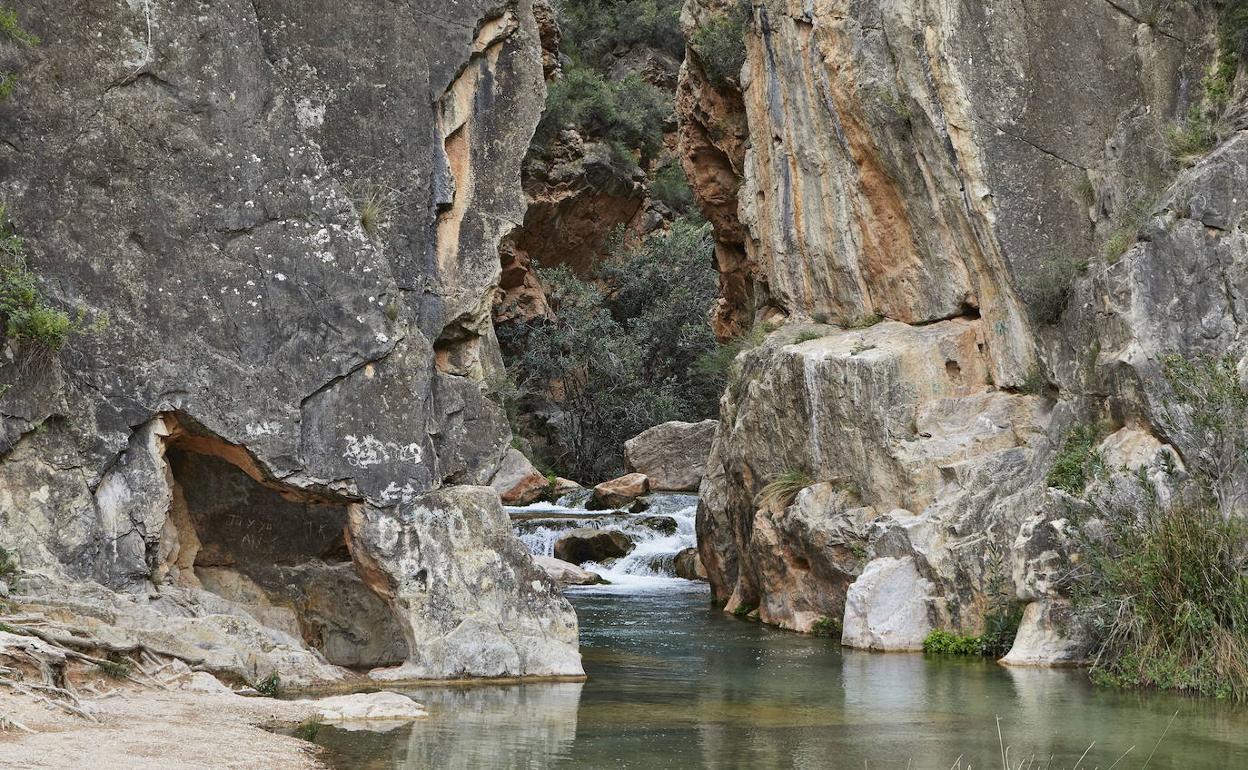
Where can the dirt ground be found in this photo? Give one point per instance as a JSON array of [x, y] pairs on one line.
[[147, 728]]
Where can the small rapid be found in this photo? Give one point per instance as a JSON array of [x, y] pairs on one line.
[[648, 566]]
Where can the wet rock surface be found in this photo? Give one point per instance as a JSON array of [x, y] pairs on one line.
[[596, 545]]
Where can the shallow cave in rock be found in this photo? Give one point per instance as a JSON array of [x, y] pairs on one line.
[[277, 552]]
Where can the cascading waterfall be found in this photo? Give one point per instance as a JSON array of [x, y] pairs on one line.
[[649, 564]]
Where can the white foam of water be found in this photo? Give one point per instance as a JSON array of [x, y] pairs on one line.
[[649, 566]]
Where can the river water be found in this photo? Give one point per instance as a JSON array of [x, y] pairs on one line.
[[675, 683]]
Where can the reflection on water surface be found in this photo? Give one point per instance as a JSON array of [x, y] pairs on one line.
[[675, 683]]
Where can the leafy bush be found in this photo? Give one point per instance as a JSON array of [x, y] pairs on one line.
[[593, 30], [1164, 592], [270, 686], [671, 187], [624, 352], [629, 113], [782, 491], [1078, 460], [825, 626], [719, 43], [27, 321], [1000, 628], [946, 643]]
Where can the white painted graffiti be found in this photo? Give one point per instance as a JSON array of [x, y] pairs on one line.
[[367, 451]]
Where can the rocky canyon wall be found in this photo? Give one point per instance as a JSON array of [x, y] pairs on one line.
[[935, 204], [288, 214]]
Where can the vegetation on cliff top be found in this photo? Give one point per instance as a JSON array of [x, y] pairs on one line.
[[622, 353], [719, 43]]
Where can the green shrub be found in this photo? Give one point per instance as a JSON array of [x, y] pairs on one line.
[[1164, 593], [671, 187], [807, 336], [594, 30], [743, 610], [1078, 460], [719, 44], [721, 362], [945, 643], [782, 491], [624, 351], [26, 319], [270, 686], [1000, 628], [629, 113], [825, 626]]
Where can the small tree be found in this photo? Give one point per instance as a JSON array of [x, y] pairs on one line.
[[622, 352]]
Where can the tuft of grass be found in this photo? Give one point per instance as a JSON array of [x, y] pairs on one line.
[[865, 322], [270, 686], [1035, 382], [116, 668], [1046, 288], [375, 206], [722, 361], [782, 491], [826, 626], [307, 731], [1078, 461], [1165, 595], [860, 347], [807, 336]]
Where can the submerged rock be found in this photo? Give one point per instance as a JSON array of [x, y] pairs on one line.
[[566, 573], [662, 524], [619, 492], [672, 455], [597, 545], [360, 709]]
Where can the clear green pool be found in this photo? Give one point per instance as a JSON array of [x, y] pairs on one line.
[[675, 683]]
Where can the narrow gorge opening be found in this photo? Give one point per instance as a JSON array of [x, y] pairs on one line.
[[276, 552]]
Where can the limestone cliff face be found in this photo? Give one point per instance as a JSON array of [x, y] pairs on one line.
[[289, 213], [920, 179]]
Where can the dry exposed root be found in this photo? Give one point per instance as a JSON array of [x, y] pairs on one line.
[[32, 644]]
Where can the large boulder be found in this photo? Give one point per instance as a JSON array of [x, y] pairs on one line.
[[672, 455], [566, 573], [619, 492], [596, 545], [887, 607], [517, 482], [468, 596]]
